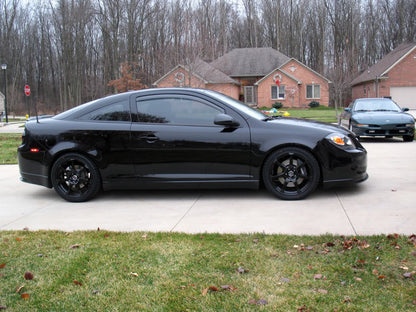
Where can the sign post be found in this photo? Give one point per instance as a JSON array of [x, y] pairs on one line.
[[27, 92]]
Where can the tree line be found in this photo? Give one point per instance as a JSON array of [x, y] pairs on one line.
[[69, 51]]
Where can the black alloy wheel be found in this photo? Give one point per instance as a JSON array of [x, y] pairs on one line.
[[291, 173], [75, 178]]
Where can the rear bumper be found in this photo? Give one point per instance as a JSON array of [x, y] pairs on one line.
[[33, 171]]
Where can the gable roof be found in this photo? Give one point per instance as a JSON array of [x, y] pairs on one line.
[[308, 68], [383, 66], [250, 62], [204, 71], [283, 72]]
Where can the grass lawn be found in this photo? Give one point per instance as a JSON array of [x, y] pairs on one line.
[[8, 147], [108, 271], [321, 113]]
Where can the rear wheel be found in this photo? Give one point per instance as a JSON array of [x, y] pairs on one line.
[[75, 178], [291, 173]]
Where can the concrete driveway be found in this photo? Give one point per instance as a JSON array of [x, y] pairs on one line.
[[385, 203]]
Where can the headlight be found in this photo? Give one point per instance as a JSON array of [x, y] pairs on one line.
[[361, 125], [410, 125], [340, 139]]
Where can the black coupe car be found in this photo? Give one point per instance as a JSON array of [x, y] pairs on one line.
[[378, 117], [184, 138]]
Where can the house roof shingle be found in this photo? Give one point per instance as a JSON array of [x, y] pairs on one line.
[[248, 62], [204, 71], [383, 66], [209, 73]]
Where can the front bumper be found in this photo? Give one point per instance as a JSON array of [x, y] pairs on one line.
[[340, 165], [383, 130]]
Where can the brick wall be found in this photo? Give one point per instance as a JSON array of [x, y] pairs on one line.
[[295, 94], [402, 74]]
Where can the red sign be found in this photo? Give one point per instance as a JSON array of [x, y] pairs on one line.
[[27, 90]]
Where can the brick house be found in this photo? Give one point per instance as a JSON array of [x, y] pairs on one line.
[[200, 75], [256, 76], [393, 76]]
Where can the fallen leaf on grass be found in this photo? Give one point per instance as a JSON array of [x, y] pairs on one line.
[[409, 274], [2, 265], [95, 292], [77, 283], [318, 276], [211, 288], [393, 236], [134, 274], [241, 270], [144, 236], [2, 307], [381, 276], [346, 299], [74, 246], [19, 289], [322, 291], [358, 279], [28, 276], [25, 296], [228, 287]]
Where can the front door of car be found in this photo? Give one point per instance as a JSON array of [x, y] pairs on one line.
[[175, 140]]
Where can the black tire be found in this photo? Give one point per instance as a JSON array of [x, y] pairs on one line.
[[408, 138], [291, 173], [75, 178]]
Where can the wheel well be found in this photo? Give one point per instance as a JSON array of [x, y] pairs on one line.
[[290, 145], [64, 152]]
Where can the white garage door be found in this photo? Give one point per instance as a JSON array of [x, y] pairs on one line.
[[404, 96]]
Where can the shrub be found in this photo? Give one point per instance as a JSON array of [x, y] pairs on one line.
[[313, 104], [277, 105]]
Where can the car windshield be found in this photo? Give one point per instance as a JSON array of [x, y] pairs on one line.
[[376, 105], [239, 106]]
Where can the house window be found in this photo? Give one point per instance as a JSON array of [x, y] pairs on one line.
[[249, 95], [278, 92], [313, 91]]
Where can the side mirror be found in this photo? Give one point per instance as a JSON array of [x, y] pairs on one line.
[[347, 109], [225, 120], [405, 109]]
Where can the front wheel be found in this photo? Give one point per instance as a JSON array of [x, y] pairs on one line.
[[408, 138], [291, 173], [75, 178]]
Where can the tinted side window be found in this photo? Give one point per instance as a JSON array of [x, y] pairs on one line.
[[178, 111], [114, 112]]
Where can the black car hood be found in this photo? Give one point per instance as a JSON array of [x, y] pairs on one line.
[[382, 117], [310, 124]]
